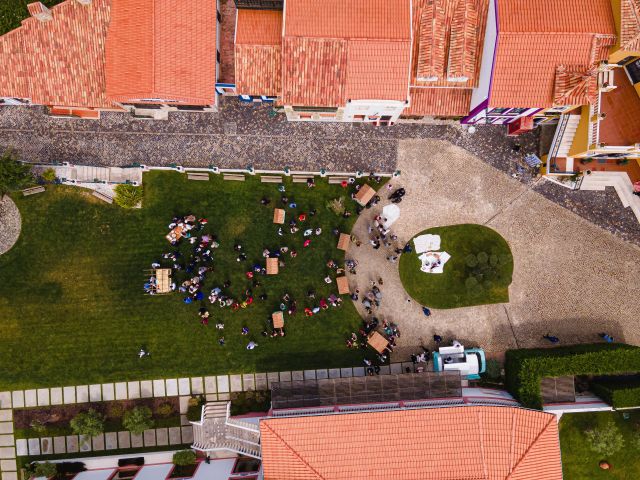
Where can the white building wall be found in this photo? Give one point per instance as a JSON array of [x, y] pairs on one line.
[[481, 93]]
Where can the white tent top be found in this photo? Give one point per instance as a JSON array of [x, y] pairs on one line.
[[390, 214]]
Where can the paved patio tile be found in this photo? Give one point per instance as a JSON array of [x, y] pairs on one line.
[[184, 420], [285, 376], [98, 442], [322, 373], [358, 371], [6, 428], [261, 381], [136, 440], [334, 373], [30, 398], [72, 443], [150, 438], [236, 383], [59, 445], [17, 398], [197, 386], [108, 392], [6, 440], [9, 475], [146, 389], [162, 436], [85, 443], [46, 446], [210, 385], [7, 465], [346, 372], [134, 389], [82, 393], [34, 446], [69, 395], [223, 383], [385, 370], [309, 374], [111, 440], [184, 404], [184, 386], [7, 453], [224, 396], [396, 368], [22, 448], [174, 436], [6, 415], [43, 397], [124, 439], [297, 375], [272, 377], [121, 391], [187, 434], [95, 392], [5, 400], [211, 397], [172, 387], [159, 388], [248, 382], [56, 396]]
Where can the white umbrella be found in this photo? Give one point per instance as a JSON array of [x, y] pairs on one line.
[[390, 214]]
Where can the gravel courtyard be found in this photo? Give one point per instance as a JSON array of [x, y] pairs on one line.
[[571, 278]]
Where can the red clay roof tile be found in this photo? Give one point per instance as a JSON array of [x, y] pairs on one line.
[[432, 42], [630, 25], [463, 46], [259, 27], [465, 443], [439, 101]]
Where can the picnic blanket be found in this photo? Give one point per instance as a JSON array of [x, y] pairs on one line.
[[433, 262], [427, 243], [390, 213]]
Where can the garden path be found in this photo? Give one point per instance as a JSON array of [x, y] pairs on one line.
[[571, 278]]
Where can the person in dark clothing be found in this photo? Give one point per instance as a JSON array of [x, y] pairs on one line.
[[437, 339], [551, 338]]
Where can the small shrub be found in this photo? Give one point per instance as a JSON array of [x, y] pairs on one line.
[[116, 410], [336, 205], [494, 369], [14, 175], [49, 175], [471, 260], [128, 196], [184, 458], [38, 426], [45, 469], [605, 440], [138, 420], [164, 410], [88, 423]]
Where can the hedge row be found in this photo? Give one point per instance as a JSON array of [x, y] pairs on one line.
[[525, 368], [619, 392]]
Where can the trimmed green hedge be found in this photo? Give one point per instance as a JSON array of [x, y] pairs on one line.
[[525, 368], [619, 392]]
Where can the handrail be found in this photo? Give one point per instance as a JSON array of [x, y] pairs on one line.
[[563, 121]]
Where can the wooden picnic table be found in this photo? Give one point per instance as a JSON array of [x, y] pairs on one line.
[[278, 319], [278, 216], [163, 279], [343, 241], [175, 234], [377, 341], [343, 285], [272, 266], [365, 194]]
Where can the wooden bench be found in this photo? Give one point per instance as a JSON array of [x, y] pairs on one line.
[[278, 216], [233, 176], [270, 179], [33, 190], [198, 176], [301, 179], [272, 266], [334, 180], [102, 196], [365, 194], [343, 285], [343, 241]]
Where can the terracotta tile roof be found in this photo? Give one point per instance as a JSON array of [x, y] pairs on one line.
[[431, 40], [60, 61], [456, 443], [379, 19], [543, 45], [338, 50], [439, 101], [175, 51], [258, 52], [463, 46], [630, 25]]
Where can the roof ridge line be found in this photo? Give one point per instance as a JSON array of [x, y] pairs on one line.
[[320, 476], [555, 33], [153, 55], [535, 441]]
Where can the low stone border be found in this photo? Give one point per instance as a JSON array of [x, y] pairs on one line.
[[10, 224]]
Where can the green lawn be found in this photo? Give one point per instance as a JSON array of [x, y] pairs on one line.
[[72, 308], [12, 12], [452, 289], [579, 462]]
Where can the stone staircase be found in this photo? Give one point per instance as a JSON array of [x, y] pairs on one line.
[[216, 431], [620, 181], [567, 138]]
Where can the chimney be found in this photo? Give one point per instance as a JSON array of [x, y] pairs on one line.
[[84, 2], [40, 12]]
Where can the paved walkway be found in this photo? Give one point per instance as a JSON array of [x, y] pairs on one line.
[[571, 278]]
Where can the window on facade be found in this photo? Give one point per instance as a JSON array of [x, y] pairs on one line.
[[260, 4], [315, 109], [191, 108], [497, 111], [246, 465], [305, 116], [359, 118], [153, 106], [517, 111]]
